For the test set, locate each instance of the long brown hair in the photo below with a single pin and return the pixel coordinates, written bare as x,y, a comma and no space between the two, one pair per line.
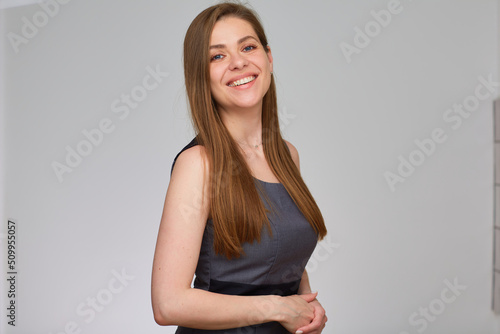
237,212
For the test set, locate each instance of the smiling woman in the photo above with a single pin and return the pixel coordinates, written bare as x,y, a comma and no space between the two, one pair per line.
237,213
229,52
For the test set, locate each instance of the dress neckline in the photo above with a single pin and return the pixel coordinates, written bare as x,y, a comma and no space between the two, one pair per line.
265,182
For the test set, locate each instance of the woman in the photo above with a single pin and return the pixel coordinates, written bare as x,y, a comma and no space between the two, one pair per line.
237,212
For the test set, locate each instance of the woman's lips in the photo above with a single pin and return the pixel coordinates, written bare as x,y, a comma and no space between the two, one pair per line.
242,81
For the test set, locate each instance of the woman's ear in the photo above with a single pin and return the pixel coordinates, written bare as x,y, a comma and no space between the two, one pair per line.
270,57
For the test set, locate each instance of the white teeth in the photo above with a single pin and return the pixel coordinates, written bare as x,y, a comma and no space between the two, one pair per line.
242,81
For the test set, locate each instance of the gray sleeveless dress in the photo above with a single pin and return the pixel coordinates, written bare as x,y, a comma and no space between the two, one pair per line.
273,266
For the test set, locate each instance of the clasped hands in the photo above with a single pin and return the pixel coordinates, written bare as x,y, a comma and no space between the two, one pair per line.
303,314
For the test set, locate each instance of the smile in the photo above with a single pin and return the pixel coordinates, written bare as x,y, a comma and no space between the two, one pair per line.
242,81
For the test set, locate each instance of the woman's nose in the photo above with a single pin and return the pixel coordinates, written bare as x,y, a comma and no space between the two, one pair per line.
237,61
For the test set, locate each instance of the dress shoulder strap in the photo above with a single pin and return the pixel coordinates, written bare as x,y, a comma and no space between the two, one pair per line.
192,143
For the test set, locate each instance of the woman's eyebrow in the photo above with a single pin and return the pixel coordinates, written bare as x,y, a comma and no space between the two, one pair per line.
222,46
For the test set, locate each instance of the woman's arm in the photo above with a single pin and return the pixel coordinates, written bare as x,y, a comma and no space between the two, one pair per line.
304,286
176,255
320,318
318,323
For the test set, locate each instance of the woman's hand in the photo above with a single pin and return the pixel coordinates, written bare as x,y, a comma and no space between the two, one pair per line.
296,311
318,323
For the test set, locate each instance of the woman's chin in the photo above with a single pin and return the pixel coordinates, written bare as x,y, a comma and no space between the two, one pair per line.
246,103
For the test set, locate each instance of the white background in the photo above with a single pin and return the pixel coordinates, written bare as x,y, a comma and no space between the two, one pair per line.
388,253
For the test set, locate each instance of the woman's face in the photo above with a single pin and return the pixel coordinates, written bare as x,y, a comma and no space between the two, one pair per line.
240,67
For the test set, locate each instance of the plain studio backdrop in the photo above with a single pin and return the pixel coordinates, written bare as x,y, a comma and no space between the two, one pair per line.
388,102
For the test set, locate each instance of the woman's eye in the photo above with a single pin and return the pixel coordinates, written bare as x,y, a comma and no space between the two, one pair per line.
249,48
216,57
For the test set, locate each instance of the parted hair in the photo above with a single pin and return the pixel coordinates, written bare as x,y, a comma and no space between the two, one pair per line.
237,212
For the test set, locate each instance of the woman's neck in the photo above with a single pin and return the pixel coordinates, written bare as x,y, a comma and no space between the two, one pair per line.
245,125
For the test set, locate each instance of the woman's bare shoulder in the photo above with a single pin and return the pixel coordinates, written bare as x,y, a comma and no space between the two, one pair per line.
190,163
